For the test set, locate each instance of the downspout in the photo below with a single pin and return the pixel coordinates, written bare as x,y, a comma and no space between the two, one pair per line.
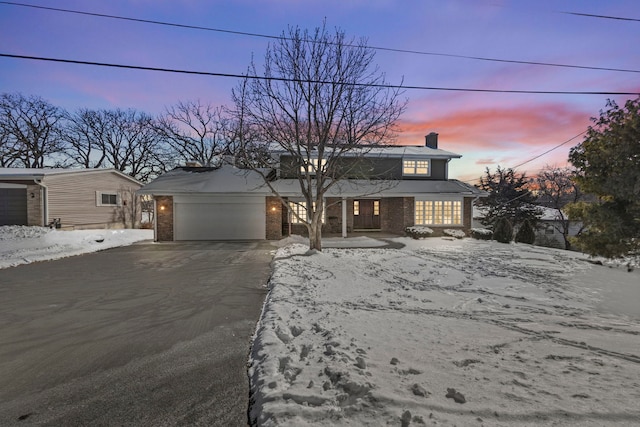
45,201
155,219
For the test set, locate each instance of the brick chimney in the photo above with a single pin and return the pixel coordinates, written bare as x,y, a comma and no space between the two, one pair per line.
432,140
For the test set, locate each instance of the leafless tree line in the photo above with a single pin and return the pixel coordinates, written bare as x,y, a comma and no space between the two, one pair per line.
35,134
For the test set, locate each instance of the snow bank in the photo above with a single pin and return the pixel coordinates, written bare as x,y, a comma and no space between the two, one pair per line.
446,332
23,245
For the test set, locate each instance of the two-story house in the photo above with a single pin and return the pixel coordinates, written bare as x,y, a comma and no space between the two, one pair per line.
391,188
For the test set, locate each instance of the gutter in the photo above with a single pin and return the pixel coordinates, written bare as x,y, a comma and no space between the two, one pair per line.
45,201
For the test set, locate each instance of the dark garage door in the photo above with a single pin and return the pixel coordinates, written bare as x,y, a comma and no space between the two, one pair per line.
13,206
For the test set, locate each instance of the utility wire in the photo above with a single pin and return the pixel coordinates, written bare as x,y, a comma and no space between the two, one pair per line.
286,79
272,37
539,155
589,15
550,150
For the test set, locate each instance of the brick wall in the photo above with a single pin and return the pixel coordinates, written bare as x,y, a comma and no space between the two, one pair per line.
164,218
467,217
273,218
391,214
409,212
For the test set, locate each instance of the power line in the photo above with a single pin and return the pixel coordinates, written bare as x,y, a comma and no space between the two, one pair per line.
550,150
589,15
272,37
286,79
539,155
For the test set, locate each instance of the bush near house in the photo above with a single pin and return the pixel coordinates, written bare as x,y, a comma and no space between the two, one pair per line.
418,232
503,231
458,234
481,233
526,233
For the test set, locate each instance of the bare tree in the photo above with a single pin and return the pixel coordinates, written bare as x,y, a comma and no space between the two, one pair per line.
556,188
31,130
8,147
321,98
84,134
130,208
122,139
195,131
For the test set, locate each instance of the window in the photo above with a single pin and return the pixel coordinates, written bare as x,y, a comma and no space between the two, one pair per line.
549,229
438,212
376,207
312,166
104,198
416,167
300,208
356,207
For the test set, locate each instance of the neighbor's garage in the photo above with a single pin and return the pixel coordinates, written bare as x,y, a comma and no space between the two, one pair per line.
13,204
219,217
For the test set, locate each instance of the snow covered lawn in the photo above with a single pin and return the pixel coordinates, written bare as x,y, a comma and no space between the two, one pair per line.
23,245
446,332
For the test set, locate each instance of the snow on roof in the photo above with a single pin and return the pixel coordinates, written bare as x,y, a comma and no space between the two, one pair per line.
39,173
226,179
229,179
389,151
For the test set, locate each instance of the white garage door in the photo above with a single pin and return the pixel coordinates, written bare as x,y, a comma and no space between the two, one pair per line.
219,218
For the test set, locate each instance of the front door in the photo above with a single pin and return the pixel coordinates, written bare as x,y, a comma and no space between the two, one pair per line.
366,214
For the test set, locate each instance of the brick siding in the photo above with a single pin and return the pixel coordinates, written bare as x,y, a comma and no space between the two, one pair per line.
164,218
273,218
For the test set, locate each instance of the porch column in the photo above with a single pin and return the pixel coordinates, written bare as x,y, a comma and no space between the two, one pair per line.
344,217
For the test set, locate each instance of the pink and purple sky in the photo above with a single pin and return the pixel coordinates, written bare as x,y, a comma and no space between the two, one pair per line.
488,129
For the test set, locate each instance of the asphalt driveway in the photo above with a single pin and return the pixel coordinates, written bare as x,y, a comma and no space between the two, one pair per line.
149,334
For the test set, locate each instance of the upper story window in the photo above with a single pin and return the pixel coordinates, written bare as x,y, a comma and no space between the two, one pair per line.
104,198
312,166
416,167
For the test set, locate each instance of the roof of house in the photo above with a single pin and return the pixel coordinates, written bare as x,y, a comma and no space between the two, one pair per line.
388,151
229,179
16,174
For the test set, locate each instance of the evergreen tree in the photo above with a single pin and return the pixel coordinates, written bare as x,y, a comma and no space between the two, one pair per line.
509,197
608,165
526,234
503,230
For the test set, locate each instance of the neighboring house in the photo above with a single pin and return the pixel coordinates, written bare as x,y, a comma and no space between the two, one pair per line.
548,229
68,198
550,226
410,186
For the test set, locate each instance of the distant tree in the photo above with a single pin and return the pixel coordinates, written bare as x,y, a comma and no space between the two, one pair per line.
557,187
526,233
503,230
30,130
195,131
321,99
121,139
608,165
8,147
508,197
85,134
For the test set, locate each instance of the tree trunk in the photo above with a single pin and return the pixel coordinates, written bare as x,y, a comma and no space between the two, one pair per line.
315,235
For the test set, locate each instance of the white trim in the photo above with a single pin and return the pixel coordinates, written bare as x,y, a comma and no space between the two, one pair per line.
99,201
416,166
